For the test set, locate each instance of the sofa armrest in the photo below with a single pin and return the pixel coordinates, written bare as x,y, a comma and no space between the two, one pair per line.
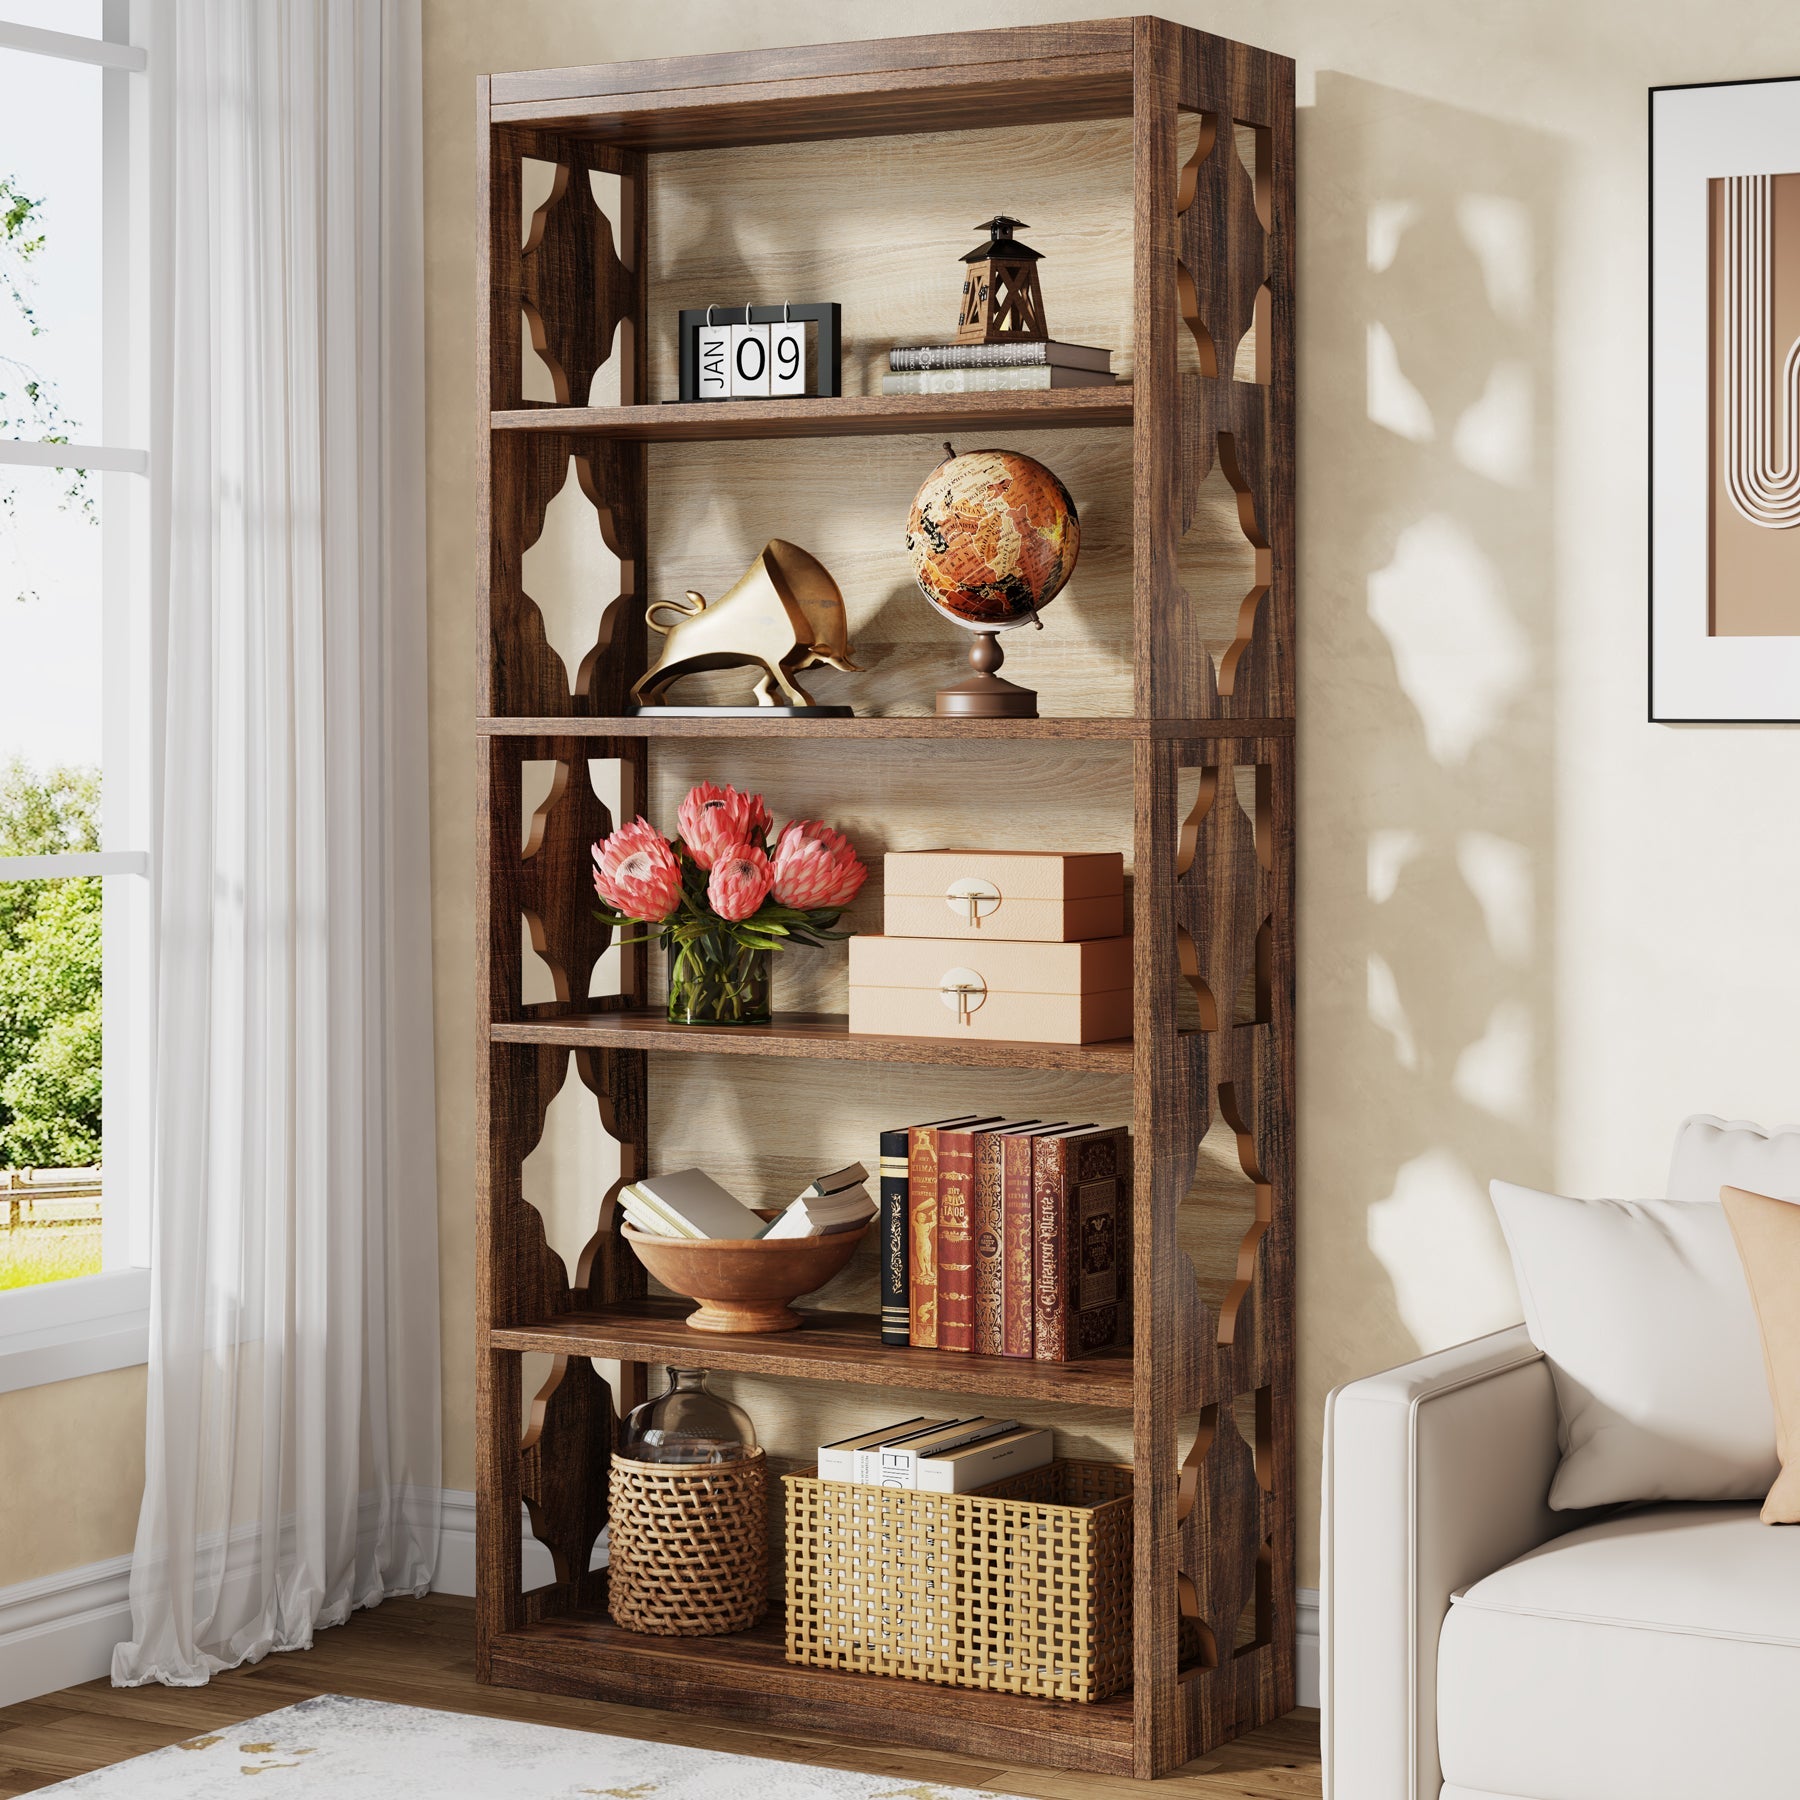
1436,1473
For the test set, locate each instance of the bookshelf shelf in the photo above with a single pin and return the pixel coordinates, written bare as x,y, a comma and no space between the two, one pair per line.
746,1677
854,415
909,729
822,1035
832,1346
1189,138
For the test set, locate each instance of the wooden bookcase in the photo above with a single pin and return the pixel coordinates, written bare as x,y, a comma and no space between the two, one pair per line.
1175,150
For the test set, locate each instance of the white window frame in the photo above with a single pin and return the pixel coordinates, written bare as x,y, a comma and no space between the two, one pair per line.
93,1323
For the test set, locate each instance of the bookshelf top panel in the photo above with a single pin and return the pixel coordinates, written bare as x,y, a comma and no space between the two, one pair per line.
945,82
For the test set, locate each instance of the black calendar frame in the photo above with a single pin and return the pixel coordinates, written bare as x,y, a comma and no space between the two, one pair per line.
827,340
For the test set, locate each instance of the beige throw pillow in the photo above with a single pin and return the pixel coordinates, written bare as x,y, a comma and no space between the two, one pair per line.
1768,1240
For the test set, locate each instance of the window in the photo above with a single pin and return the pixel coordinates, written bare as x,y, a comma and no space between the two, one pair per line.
78,642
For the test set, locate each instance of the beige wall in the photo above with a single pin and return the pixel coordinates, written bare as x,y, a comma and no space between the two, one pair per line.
1536,930
71,1473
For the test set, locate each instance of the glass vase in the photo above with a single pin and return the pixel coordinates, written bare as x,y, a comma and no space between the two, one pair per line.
688,1423
715,980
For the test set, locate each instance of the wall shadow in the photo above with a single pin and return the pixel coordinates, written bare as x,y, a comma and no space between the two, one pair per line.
1428,495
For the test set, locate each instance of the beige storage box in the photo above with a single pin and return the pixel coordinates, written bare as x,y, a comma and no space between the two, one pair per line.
952,988
1044,896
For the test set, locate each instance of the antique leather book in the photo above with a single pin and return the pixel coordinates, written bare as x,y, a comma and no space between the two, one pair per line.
1081,1196
985,1229
922,1242
955,1240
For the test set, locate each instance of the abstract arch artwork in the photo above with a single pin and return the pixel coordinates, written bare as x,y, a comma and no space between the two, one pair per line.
1755,308
1725,402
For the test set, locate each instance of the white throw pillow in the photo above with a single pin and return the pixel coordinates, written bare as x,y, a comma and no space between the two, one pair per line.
1642,1312
1710,1154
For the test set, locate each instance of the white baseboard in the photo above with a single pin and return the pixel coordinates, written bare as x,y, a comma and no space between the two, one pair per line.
59,1630
1306,1659
456,1549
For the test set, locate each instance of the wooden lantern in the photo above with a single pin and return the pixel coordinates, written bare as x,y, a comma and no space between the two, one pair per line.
1001,301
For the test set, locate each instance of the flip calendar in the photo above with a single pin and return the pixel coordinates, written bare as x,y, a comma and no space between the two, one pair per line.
761,352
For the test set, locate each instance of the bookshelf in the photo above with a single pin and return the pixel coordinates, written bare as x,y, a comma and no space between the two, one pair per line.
1167,674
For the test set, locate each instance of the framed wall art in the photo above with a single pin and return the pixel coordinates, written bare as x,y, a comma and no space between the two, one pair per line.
1725,401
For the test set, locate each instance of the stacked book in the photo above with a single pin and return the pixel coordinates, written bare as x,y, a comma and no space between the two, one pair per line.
981,368
690,1204
1006,1237
936,1456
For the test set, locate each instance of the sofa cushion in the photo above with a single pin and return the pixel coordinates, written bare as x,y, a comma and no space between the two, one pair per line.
1768,1239
1641,1311
1711,1154
1653,1656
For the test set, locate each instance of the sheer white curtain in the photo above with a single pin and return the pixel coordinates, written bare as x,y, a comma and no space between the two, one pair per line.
293,1447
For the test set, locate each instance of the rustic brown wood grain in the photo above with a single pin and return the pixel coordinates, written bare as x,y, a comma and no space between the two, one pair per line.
1172,653
848,415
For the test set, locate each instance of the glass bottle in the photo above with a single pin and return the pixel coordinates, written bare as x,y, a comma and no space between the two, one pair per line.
688,1424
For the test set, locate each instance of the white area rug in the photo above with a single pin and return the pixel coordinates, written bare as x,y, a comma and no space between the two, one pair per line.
366,1750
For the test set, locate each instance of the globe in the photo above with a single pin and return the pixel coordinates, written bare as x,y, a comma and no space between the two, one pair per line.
994,537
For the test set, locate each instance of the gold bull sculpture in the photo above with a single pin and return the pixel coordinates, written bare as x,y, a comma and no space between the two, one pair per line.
783,614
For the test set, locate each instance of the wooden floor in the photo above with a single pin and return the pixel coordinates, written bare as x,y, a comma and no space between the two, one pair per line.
421,1653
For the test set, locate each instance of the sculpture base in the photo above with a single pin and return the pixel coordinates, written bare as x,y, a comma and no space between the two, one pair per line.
740,712
987,697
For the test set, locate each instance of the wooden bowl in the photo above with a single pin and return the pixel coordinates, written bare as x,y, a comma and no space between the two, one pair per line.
744,1284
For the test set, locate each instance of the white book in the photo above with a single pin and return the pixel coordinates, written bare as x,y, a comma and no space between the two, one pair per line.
900,1468
839,1181
699,1206
649,1218
989,381
872,1461
837,1461
975,1465
821,1217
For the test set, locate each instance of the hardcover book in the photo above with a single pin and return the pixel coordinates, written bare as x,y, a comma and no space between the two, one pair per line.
922,1232
955,1240
988,381
895,1248
896,1319
987,1225
999,356
1081,1186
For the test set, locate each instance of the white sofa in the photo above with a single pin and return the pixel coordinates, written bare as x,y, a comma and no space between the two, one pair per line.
1475,1645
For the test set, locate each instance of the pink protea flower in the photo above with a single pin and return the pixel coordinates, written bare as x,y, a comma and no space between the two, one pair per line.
816,867
715,819
635,872
739,882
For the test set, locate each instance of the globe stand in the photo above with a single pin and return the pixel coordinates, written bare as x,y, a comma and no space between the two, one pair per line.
986,695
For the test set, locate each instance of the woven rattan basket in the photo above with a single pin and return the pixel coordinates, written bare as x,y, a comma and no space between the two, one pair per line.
1024,1587
688,1548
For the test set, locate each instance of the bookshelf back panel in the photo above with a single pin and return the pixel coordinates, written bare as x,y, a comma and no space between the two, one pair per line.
1073,795
847,500
878,225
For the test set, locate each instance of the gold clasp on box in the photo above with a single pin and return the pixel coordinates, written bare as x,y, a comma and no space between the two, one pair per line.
963,991
973,898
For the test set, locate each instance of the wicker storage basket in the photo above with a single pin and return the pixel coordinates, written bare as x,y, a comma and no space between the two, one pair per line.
688,1548
1024,1586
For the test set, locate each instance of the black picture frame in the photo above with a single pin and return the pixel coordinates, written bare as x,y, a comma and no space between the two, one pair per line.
827,340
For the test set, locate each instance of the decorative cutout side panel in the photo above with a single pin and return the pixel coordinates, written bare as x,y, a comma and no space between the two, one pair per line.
598,646
549,887
563,1461
578,294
